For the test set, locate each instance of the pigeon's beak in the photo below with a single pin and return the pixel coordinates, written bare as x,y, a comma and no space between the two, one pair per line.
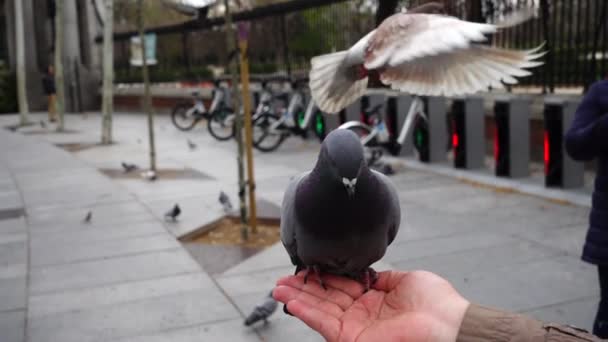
350,184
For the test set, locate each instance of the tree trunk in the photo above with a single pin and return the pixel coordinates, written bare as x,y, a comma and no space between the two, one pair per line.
238,124
59,77
146,79
20,47
108,73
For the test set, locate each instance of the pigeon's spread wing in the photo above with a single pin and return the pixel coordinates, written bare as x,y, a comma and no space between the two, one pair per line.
394,206
403,37
462,71
428,54
289,219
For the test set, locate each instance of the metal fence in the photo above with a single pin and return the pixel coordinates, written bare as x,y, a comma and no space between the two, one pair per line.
575,33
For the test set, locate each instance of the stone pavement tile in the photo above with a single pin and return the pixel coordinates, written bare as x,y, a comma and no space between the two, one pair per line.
566,239
95,297
43,254
12,237
104,213
230,330
579,313
462,264
13,253
172,190
110,271
263,280
527,286
272,257
57,229
196,213
147,316
79,233
441,245
12,293
13,271
13,225
12,326
281,327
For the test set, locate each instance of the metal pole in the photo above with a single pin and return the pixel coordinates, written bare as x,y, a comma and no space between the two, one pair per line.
253,220
59,74
146,79
21,81
238,124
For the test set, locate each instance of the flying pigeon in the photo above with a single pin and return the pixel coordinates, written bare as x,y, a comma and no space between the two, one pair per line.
128,167
88,217
426,54
262,311
340,217
191,145
225,201
173,213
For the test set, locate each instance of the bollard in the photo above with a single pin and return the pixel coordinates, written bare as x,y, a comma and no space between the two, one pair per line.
435,110
512,137
560,170
468,135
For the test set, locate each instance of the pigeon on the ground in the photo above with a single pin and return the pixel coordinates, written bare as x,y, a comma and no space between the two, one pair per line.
406,50
149,175
191,145
127,167
262,311
42,124
88,217
340,217
225,201
173,213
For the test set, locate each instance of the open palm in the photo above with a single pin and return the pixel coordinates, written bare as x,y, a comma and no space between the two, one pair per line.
402,306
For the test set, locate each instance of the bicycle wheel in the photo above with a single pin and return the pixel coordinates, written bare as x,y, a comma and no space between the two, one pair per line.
265,138
221,124
180,117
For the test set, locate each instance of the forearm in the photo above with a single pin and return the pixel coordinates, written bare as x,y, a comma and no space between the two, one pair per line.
484,324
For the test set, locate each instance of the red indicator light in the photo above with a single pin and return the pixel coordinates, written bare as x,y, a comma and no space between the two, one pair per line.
547,153
455,140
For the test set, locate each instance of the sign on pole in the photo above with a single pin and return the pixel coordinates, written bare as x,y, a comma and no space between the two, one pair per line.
136,52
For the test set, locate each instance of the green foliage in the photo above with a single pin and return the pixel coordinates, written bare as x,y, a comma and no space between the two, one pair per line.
160,74
8,90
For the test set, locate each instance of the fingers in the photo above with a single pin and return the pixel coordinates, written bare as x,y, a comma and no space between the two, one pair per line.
388,280
333,293
322,322
285,294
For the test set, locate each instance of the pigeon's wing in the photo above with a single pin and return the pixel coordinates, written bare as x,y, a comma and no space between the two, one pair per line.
429,54
289,220
394,218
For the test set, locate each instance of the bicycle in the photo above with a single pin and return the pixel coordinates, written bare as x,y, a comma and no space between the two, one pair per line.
186,115
376,134
270,130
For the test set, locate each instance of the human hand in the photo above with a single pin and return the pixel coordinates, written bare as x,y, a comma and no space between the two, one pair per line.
402,306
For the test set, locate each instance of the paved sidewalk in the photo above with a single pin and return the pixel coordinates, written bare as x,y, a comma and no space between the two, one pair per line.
125,276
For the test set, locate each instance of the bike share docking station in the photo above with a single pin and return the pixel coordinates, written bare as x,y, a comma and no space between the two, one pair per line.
560,170
468,132
512,136
431,133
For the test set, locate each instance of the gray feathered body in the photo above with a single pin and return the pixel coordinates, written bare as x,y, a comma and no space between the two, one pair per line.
321,225
262,311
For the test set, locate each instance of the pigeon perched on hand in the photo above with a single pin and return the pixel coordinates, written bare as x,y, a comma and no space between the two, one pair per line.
422,54
340,217
225,201
127,167
173,213
191,145
262,311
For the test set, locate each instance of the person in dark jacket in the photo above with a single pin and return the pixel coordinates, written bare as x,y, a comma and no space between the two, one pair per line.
587,139
48,83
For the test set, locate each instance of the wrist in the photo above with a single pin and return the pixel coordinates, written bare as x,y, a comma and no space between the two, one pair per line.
455,314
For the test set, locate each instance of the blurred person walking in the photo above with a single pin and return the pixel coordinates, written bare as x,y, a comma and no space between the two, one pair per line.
587,139
48,83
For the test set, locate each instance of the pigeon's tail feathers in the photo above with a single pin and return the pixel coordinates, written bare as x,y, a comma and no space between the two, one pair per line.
334,83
